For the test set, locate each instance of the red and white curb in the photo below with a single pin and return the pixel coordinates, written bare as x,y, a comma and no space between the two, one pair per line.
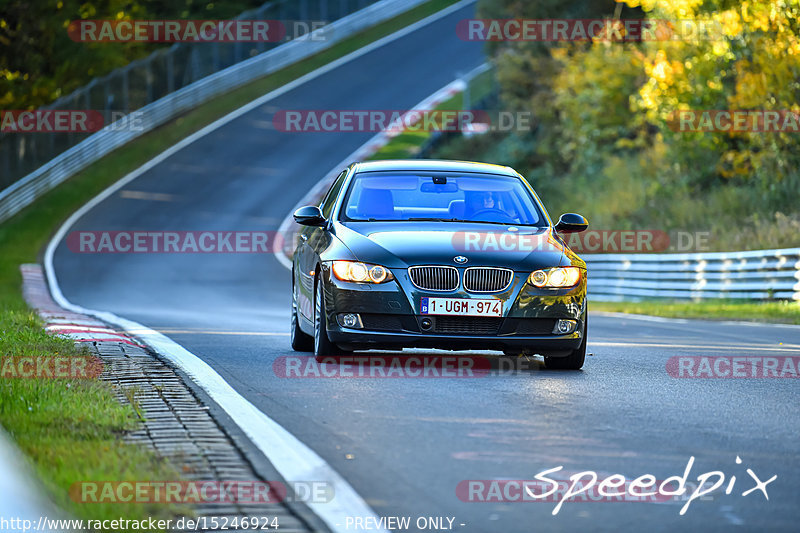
60,321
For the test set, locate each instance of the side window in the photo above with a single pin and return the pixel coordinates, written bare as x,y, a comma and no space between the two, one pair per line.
330,199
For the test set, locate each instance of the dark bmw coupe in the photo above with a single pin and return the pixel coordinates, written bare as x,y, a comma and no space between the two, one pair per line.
437,254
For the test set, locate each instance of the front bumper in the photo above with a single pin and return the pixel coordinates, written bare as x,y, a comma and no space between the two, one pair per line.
391,317
363,339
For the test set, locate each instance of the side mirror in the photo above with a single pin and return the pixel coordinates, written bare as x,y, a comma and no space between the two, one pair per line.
309,215
571,223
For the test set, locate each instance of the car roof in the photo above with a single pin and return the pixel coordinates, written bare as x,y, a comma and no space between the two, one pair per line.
433,164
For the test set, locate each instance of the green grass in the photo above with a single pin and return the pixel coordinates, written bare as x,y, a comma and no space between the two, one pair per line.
783,311
71,430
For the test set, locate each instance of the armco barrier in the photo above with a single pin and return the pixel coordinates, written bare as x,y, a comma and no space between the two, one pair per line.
752,275
26,190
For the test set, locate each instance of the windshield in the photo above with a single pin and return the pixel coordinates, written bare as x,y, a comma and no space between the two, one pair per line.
487,198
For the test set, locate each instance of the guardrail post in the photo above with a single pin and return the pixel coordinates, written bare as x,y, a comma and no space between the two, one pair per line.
126,100
170,59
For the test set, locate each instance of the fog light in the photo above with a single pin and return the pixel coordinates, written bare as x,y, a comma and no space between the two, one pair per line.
564,326
350,320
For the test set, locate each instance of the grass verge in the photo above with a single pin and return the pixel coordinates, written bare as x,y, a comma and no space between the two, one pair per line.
71,429
783,311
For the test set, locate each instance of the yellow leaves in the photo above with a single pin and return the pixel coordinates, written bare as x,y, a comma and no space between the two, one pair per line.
730,22
9,75
750,87
720,48
659,68
736,163
676,8
646,5
683,8
559,53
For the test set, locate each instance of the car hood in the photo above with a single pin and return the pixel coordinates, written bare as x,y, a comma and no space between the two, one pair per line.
404,244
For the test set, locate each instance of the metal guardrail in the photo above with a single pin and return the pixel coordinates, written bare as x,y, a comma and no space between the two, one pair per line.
23,497
751,275
74,159
164,71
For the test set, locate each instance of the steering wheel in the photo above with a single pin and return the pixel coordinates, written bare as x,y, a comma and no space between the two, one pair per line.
504,217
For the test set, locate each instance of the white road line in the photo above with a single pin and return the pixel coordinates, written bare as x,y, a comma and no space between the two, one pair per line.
216,332
291,458
761,348
668,320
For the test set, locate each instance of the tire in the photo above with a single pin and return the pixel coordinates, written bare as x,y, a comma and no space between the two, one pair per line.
301,341
573,361
323,347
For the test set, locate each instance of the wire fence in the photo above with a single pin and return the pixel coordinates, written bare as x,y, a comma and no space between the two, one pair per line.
163,72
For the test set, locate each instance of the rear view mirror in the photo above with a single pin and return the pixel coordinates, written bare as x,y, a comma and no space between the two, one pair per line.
571,223
440,188
309,215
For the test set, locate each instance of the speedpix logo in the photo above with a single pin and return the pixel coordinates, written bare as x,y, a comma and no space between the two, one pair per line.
588,486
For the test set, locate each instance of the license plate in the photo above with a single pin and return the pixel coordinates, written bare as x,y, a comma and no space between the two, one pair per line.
461,307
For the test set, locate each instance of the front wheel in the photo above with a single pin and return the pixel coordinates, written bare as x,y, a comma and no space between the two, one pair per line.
323,347
574,361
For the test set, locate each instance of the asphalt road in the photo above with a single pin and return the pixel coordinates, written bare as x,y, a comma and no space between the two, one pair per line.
405,444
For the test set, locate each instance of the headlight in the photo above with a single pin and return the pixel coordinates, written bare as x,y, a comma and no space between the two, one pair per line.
556,277
361,272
